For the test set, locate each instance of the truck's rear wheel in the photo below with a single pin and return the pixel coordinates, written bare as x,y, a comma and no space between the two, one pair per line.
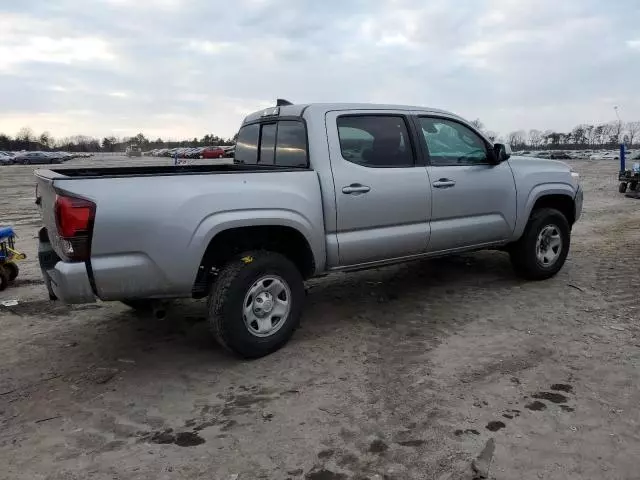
543,248
255,303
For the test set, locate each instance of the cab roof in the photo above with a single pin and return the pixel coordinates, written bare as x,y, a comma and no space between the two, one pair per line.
322,108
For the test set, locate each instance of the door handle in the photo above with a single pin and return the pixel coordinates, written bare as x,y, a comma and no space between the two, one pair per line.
444,183
355,188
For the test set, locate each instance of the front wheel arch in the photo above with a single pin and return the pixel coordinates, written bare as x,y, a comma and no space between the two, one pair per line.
565,204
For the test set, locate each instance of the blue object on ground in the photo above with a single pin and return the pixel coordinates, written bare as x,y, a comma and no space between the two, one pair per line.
6,232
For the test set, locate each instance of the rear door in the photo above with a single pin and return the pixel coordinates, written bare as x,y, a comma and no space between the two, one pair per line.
474,201
382,194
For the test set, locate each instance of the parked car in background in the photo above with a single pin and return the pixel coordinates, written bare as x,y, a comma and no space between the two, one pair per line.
35,158
58,157
7,158
230,152
212,152
133,151
560,156
196,152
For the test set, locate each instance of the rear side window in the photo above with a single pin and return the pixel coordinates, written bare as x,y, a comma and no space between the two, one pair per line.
291,149
267,144
247,144
283,144
375,141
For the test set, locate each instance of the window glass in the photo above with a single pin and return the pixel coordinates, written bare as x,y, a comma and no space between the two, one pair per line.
247,144
375,140
268,144
291,147
451,143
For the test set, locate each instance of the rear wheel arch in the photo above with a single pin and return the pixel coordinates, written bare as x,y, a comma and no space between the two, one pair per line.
225,245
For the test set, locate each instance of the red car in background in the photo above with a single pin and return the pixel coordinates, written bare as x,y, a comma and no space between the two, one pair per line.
212,152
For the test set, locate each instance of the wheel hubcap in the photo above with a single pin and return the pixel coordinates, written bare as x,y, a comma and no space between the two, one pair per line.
548,245
266,306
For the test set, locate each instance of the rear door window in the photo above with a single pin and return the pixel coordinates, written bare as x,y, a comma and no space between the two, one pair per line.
375,141
291,147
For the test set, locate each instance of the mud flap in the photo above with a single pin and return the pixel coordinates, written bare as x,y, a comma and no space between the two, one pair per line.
47,259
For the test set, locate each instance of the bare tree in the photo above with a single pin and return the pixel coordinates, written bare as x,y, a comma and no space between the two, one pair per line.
535,138
614,132
579,135
589,134
478,124
633,131
491,135
45,139
517,139
552,138
25,134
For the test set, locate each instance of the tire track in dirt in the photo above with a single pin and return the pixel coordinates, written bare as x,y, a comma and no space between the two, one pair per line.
408,417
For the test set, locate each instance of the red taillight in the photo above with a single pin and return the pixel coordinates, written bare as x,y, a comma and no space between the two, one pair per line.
74,220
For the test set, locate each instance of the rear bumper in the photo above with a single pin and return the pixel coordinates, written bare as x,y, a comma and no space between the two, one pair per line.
67,282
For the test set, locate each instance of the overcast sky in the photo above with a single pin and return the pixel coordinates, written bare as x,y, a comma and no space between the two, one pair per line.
181,68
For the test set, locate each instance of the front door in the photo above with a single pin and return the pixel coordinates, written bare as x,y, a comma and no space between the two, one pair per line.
473,200
382,196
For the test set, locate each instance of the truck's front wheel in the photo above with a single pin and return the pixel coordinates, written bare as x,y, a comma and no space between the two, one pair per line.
543,248
255,303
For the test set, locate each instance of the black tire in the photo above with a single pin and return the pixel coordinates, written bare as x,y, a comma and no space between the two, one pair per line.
227,298
622,188
13,270
4,279
633,186
524,252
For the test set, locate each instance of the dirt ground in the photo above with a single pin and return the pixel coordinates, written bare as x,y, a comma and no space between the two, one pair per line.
399,373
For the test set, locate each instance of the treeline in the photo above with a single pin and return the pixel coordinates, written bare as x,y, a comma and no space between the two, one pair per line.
583,136
26,139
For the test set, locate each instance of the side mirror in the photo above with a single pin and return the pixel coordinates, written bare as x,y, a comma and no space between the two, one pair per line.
502,152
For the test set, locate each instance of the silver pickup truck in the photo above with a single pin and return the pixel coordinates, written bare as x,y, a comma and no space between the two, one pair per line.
313,189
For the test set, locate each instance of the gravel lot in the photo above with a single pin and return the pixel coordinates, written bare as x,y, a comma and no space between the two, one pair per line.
402,372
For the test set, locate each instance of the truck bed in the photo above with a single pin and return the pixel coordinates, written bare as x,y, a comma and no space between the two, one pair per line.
153,224
158,170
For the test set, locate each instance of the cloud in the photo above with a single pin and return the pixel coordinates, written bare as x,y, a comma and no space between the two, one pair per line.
207,47
67,51
178,68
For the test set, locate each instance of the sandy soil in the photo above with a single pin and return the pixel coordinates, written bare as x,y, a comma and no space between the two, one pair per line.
402,372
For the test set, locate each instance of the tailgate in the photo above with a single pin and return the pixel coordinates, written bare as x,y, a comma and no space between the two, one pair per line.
46,199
